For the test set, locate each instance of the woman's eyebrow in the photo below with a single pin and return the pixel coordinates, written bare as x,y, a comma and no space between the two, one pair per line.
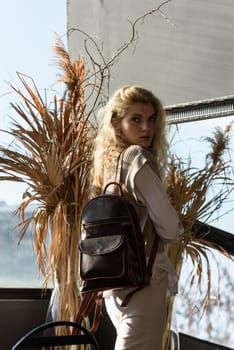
137,115
141,115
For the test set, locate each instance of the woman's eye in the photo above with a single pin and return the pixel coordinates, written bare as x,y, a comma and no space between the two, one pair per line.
153,119
136,119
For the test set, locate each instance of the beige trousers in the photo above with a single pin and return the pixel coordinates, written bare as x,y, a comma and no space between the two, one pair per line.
140,325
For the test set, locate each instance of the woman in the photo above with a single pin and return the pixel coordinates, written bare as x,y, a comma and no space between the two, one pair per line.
133,121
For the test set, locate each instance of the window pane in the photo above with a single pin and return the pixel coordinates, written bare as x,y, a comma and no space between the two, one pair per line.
217,323
17,261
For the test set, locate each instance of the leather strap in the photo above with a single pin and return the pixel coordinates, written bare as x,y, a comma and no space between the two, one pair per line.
86,305
153,254
97,313
150,264
119,167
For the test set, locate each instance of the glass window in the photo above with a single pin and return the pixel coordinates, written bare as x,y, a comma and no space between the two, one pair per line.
216,323
18,260
29,52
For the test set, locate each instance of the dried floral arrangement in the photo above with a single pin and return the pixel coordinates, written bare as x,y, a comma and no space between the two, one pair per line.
51,155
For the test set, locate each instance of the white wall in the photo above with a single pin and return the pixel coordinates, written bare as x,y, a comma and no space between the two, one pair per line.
190,61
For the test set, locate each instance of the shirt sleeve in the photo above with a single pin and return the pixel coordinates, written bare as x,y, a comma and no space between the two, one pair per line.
152,195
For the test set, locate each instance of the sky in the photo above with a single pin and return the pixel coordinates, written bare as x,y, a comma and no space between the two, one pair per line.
188,143
27,36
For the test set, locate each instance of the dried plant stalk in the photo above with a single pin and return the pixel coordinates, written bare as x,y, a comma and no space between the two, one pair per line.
51,154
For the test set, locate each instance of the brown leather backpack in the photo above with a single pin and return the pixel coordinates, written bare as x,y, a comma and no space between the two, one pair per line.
112,249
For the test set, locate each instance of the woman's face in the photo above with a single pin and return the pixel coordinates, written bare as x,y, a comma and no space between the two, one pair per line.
138,124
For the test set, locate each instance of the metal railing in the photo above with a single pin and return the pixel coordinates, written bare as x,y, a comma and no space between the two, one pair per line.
200,110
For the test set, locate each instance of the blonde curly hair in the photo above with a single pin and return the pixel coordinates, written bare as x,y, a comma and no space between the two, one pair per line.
109,142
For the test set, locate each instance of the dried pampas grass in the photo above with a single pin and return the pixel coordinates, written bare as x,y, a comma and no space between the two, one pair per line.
51,154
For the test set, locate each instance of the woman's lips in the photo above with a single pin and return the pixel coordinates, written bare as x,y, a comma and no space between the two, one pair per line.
145,138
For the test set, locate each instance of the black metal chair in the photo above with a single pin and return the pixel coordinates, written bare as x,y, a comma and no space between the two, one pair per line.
40,337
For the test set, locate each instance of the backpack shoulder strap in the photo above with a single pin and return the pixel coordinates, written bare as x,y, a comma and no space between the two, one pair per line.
153,254
149,270
90,302
119,165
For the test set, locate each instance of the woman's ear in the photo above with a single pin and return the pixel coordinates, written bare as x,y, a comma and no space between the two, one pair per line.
115,121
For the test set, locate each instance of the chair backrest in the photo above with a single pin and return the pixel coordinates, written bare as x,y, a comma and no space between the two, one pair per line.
41,336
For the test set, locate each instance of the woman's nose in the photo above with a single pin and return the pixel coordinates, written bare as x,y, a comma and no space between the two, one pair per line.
145,126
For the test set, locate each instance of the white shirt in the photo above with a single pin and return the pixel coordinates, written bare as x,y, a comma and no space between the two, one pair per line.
148,190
